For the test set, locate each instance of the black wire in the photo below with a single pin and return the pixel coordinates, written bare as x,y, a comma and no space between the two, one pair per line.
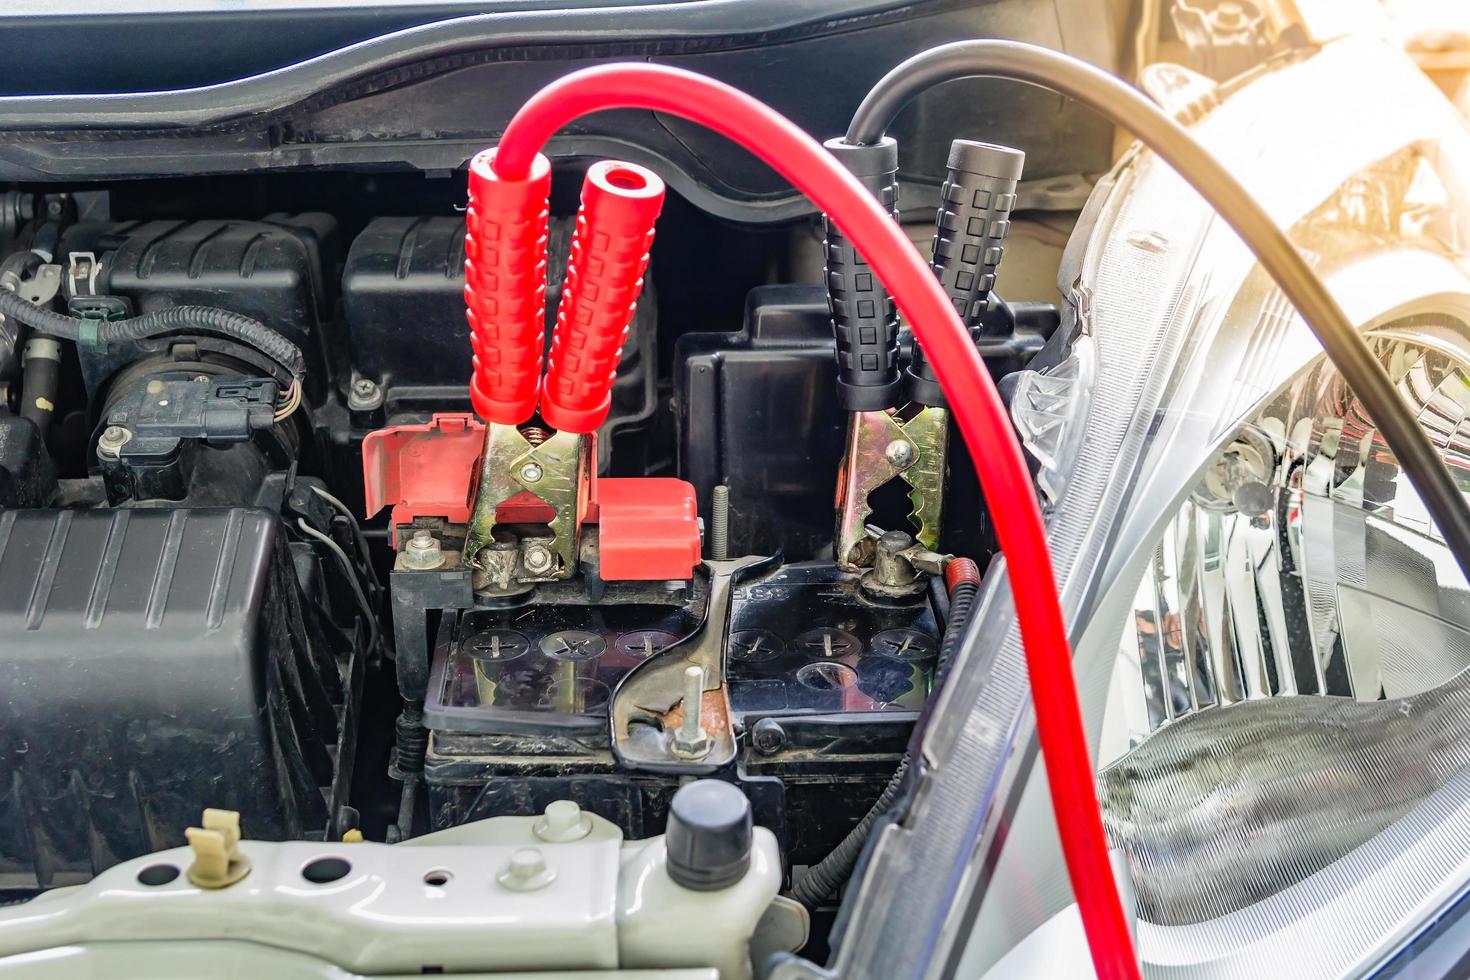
198,319
1128,109
822,879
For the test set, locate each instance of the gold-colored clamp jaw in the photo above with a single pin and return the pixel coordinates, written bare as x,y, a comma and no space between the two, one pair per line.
908,443
552,466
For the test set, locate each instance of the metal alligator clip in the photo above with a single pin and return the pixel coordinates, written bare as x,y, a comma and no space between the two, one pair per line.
531,475
884,441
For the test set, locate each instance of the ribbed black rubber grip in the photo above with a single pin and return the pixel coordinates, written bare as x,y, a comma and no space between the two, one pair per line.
864,319
974,216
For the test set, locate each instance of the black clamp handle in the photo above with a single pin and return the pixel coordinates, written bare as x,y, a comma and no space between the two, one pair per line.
864,319
974,216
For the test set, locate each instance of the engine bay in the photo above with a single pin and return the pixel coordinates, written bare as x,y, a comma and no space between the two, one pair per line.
471,504
264,551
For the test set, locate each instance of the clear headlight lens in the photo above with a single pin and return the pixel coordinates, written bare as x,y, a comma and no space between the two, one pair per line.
1301,563
1271,642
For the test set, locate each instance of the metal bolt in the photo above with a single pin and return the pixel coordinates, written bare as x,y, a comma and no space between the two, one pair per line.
364,396
423,551
899,452
531,473
690,740
538,559
719,531
113,438
768,737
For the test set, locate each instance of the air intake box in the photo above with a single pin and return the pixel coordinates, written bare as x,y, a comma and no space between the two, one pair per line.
153,663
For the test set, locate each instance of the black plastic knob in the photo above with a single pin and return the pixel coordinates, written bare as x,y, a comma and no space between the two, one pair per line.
974,216
864,319
708,836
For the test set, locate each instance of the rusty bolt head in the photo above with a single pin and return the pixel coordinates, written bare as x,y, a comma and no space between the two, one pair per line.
538,559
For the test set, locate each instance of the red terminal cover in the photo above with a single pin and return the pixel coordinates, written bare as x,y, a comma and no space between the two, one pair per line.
422,470
649,529
505,287
649,525
620,203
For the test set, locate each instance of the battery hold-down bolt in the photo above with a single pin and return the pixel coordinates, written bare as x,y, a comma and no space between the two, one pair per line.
690,739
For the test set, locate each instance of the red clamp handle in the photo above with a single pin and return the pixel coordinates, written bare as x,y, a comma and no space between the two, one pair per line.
620,203
505,287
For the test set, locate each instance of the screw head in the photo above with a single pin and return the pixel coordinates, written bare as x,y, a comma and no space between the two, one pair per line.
899,452
364,395
538,559
768,737
531,473
113,438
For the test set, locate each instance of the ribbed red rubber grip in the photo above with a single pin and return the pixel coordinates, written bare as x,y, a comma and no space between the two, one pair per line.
620,203
505,287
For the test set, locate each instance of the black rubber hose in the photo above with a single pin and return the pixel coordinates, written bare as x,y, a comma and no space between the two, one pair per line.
175,319
826,876
40,380
1128,109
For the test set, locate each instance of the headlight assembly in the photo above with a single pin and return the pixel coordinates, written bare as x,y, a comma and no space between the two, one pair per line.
1299,564
1283,698
1271,638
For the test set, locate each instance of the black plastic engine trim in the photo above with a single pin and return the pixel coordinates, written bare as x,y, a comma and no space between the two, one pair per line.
357,106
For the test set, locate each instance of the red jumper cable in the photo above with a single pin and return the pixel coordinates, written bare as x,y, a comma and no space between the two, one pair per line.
976,405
